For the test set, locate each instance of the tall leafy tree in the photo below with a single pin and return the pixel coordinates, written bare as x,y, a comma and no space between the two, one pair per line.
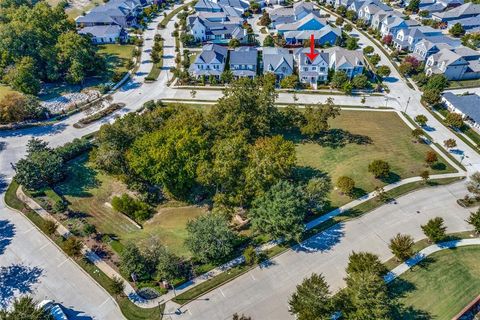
312,299
247,107
269,160
171,155
25,308
316,117
41,167
132,261
23,76
280,212
402,246
15,107
474,220
435,229
209,238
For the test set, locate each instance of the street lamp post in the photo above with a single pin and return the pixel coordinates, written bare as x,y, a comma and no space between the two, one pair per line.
408,101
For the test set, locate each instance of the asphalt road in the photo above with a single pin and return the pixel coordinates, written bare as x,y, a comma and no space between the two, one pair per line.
263,293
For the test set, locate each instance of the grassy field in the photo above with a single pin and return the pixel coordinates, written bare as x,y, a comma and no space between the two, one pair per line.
463,84
359,138
90,192
117,55
442,285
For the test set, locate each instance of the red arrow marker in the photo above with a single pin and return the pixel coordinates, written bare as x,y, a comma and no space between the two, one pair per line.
312,54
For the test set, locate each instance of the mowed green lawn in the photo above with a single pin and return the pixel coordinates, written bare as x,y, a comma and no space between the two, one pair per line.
117,55
442,286
359,138
90,192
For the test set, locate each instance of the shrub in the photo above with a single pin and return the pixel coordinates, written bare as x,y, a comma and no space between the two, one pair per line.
402,246
49,227
72,246
346,184
250,255
379,168
435,229
431,157
89,229
135,209
73,149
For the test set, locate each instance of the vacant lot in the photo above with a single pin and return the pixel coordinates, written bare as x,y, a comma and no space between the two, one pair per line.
90,193
442,285
117,56
358,138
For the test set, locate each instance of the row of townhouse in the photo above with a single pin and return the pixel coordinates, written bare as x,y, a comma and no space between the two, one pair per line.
442,54
107,23
218,21
298,22
282,62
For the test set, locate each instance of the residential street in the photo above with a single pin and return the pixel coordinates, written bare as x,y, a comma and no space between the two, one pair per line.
263,293
31,263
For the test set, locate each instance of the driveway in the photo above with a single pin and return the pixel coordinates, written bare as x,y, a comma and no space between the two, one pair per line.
263,293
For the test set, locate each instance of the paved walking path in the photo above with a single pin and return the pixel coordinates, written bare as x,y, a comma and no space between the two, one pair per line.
404,267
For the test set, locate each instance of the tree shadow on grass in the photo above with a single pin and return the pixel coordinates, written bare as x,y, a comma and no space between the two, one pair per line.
304,174
80,179
339,138
439,166
17,279
391,178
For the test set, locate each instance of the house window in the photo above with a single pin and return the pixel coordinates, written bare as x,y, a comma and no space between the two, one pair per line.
314,68
305,69
284,69
322,69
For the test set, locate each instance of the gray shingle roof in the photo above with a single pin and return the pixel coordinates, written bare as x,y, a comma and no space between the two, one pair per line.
467,104
244,55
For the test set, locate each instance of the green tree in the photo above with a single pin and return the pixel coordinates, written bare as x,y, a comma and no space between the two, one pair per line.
22,76
437,82
312,299
41,167
15,107
72,246
430,158
209,238
368,298
268,41
342,10
25,308
401,246
339,21
383,71
434,229
352,16
226,76
269,160
473,185
168,266
417,134
225,170
316,117
317,191
265,19
474,220
379,168
450,143
289,82
247,107
454,120
413,5
132,261
457,30
351,43
368,50
117,286
425,175
431,96
359,262
421,120
347,27
233,43
360,81
374,59
171,155
339,78
346,184
280,212
250,255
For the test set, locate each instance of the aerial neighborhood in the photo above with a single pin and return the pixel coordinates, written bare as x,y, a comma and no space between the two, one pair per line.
240,159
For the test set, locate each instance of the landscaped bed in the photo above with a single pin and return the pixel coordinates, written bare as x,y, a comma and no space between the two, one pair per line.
442,285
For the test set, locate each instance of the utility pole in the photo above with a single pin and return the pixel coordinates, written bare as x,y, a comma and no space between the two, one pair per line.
408,101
